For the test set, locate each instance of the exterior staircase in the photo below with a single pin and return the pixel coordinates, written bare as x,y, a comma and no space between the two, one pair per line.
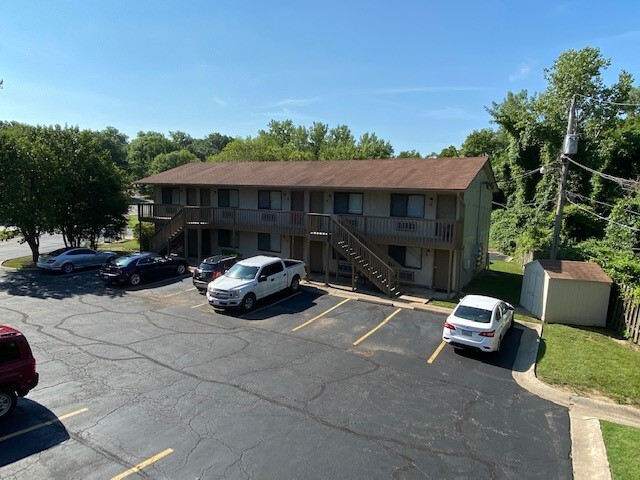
367,257
168,233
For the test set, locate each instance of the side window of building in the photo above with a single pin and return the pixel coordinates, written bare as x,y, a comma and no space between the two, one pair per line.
411,206
228,198
270,199
408,257
269,242
225,238
345,203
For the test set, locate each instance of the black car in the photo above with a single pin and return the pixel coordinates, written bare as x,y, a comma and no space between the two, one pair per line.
211,268
139,267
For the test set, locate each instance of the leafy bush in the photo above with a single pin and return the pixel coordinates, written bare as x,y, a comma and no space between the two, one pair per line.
148,231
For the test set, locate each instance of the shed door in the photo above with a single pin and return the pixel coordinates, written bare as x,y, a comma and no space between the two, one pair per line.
535,294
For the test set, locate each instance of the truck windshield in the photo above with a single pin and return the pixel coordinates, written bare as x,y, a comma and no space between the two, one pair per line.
242,272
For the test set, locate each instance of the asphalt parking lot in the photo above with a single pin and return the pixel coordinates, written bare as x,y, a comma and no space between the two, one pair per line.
152,382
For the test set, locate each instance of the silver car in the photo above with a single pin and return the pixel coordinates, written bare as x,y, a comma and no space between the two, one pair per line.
68,259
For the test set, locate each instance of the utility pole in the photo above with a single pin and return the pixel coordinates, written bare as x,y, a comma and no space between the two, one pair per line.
570,147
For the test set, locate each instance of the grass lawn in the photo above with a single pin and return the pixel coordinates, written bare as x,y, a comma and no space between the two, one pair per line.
590,360
127,246
132,221
22,262
622,450
503,280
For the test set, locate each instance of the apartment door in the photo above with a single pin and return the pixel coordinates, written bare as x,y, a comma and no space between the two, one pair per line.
205,197
316,252
441,270
446,209
316,202
191,196
206,242
297,251
297,205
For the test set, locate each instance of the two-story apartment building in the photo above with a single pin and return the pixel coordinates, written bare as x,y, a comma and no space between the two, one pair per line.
394,221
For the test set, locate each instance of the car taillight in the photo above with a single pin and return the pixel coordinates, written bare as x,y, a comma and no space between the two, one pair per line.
449,326
487,334
216,274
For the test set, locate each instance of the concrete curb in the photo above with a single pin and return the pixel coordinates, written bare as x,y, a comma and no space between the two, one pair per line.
588,451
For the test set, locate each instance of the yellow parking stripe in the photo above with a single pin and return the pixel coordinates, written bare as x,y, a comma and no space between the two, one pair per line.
144,464
438,350
40,425
319,316
201,305
375,329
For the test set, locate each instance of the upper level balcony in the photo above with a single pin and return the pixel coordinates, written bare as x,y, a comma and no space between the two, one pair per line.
418,232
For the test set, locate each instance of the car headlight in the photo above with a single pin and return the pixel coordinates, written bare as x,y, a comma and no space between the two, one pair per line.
235,293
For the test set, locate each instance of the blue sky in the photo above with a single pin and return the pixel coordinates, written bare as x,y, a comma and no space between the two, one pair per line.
417,73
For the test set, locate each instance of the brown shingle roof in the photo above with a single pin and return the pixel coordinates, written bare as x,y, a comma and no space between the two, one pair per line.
395,173
569,270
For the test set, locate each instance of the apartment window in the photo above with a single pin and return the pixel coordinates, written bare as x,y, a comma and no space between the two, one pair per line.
270,199
228,198
269,242
408,257
407,205
225,238
347,203
170,196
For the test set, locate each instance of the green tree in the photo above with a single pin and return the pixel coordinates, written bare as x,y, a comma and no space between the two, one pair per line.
144,148
25,177
210,145
166,161
88,191
409,154
370,146
117,144
449,152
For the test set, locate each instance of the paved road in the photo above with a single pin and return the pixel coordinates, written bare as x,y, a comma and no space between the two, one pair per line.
206,395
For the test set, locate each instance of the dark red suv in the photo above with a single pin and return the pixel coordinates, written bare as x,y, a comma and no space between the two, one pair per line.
17,369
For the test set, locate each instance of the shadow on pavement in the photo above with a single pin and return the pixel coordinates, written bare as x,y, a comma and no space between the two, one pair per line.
292,303
506,357
26,415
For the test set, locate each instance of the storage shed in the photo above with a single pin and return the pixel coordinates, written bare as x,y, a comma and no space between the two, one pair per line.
562,291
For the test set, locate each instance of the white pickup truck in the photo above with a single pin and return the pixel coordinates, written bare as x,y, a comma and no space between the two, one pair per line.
254,278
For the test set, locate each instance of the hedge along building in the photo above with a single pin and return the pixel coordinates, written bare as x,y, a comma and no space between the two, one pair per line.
395,221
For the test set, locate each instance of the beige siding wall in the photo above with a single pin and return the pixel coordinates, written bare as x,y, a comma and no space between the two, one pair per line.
477,216
576,302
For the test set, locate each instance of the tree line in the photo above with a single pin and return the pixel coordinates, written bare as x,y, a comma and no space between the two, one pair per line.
601,220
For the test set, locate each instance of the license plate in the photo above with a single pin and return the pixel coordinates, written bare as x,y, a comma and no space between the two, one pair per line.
466,333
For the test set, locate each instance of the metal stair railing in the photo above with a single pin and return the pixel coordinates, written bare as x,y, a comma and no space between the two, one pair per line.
168,232
383,274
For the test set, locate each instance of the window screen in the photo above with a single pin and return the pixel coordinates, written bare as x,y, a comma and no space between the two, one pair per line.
227,198
347,203
407,206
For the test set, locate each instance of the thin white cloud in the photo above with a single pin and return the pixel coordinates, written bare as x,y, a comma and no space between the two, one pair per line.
284,113
630,35
294,102
523,70
400,90
448,113
219,101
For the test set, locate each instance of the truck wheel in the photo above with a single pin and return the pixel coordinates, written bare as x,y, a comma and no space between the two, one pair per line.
181,269
8,401
135,279
67,267
248,302
295,284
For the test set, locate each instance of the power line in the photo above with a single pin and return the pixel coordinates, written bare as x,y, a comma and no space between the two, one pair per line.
586,199
622,104
540,169
601,217
623,182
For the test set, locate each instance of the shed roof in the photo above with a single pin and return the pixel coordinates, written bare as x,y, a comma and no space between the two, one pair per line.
571,270
394,173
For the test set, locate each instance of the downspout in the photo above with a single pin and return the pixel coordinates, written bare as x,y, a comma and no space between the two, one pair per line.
460,257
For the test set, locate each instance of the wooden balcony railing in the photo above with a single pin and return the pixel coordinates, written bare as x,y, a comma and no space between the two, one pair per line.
426,233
